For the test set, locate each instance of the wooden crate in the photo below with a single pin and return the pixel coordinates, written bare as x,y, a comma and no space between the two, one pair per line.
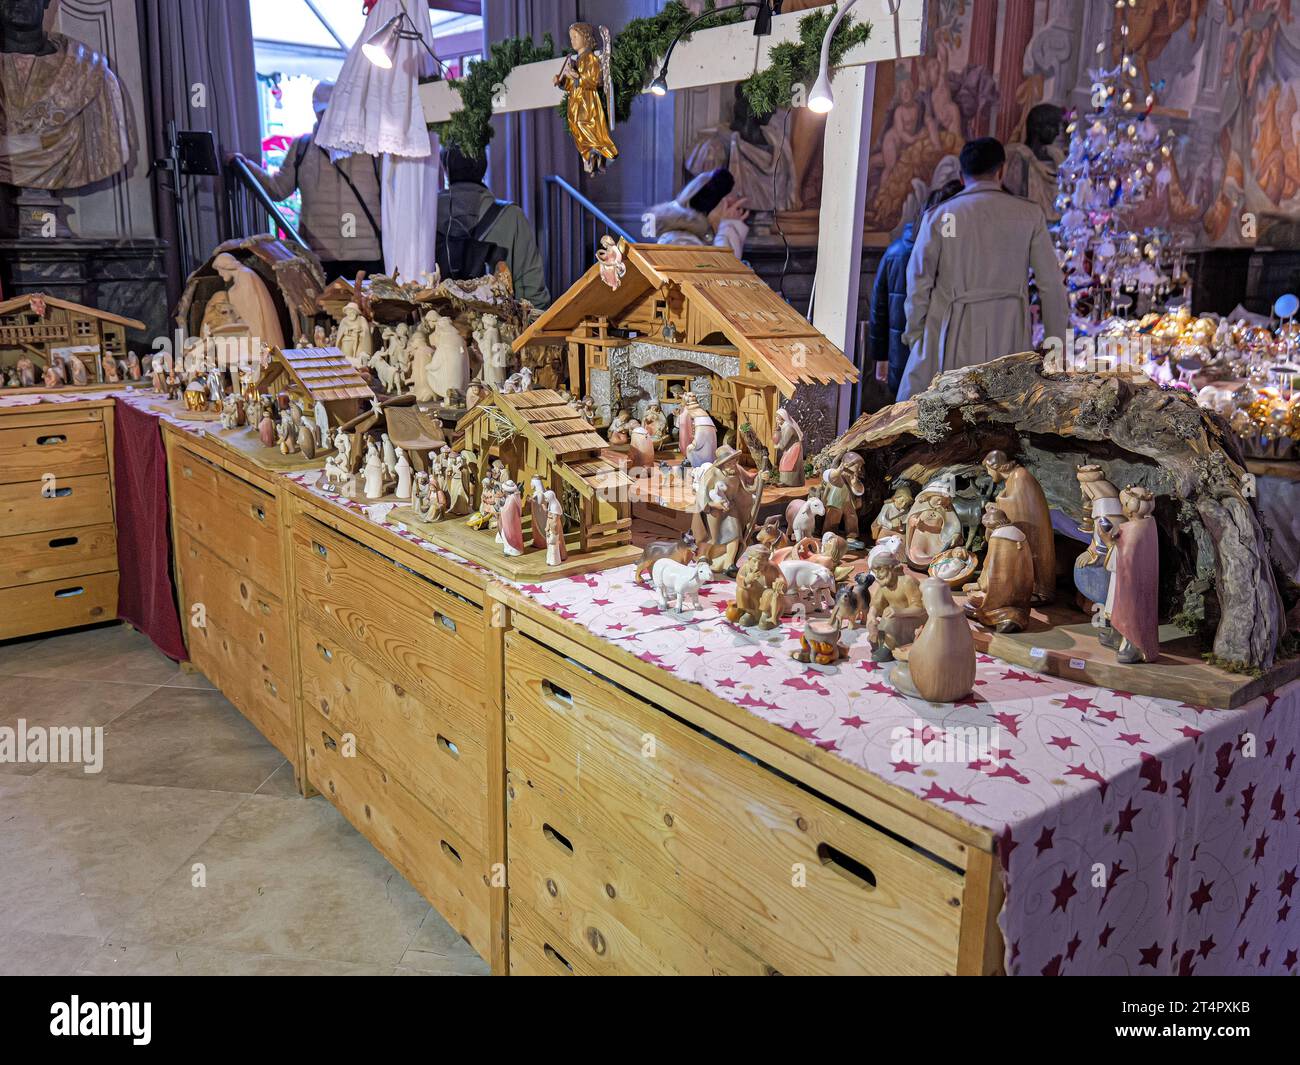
438,753
58,542
238,635
439,862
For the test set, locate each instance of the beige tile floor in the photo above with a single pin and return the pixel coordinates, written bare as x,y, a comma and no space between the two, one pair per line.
98,872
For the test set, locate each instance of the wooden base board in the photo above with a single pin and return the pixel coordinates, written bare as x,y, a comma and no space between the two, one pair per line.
176,409
479,545
1062,643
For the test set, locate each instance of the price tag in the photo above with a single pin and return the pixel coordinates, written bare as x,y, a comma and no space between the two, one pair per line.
1077,663
1037,652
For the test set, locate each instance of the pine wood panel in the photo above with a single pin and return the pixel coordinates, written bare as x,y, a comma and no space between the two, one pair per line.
535,950
62,604
242,644
602,909
438,754
723,834
51,556
65,449
411,630
439,862
237,521
71,503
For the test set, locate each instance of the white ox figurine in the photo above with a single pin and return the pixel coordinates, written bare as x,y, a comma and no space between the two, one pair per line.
675,580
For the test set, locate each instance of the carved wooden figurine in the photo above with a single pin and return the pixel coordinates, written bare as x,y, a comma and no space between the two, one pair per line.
1006,583
1132,605
556,553
1025,505
819,641
932,526
940,665
510,531
787,438
682,551
895,611
756,575
892,519
537,511
842,492
585,75
449,371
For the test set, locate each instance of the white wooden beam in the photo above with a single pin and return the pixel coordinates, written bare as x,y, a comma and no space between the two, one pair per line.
712,56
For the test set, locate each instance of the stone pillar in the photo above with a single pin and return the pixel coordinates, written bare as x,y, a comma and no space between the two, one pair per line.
1017,32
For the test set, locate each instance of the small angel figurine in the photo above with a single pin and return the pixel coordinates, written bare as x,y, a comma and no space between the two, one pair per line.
585,75
610,257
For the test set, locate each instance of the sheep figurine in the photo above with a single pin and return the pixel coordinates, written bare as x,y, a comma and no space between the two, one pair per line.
680,581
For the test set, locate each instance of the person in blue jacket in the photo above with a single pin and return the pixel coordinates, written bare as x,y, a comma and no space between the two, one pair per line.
889,296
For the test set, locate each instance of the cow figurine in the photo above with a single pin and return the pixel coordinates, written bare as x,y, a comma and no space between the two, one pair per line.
680,582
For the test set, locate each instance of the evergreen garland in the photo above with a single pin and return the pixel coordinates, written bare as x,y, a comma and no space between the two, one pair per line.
792,64
470,128
635,55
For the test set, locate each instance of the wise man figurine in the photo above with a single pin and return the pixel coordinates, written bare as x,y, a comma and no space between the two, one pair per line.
1132,602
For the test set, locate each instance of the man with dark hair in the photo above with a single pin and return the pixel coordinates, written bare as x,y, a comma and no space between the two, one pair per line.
889,295
968,277
476,231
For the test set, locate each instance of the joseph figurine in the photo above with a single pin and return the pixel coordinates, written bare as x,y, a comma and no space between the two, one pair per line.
62,117
1025,505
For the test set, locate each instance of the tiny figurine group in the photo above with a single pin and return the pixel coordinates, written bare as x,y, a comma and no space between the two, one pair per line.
945,564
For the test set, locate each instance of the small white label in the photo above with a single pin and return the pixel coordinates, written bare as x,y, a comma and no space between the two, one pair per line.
1037,652
1077,663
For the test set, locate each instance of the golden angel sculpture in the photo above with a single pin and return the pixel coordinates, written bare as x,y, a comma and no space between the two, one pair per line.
585,74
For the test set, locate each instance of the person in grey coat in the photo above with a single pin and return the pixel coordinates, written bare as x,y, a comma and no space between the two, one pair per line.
340,201
968,276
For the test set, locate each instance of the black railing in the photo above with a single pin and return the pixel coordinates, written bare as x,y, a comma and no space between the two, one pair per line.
250,211
571,230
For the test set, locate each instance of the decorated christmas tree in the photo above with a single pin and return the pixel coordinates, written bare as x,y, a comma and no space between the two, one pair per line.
1117,158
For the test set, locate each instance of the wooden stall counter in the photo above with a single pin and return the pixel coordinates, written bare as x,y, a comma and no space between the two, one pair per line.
405,683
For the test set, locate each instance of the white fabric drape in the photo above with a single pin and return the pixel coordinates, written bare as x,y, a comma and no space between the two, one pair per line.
378,112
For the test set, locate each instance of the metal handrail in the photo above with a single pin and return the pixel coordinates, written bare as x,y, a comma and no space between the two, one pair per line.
590,208
252,185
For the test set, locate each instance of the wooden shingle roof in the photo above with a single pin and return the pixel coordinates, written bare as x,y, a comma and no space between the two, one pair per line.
782,344
323,373
558,430
23,303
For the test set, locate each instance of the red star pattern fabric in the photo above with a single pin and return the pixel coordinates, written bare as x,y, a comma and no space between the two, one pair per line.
1135,835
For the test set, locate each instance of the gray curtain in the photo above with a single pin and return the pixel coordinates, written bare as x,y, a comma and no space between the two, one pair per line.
198,51
530,145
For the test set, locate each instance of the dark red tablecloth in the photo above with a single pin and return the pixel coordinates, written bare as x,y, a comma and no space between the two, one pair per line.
146,596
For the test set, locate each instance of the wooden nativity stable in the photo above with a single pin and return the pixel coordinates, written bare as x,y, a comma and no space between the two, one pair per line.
687,318
538,434
36,326
317,375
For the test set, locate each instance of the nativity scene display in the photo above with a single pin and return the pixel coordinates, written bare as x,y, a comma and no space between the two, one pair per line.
46,342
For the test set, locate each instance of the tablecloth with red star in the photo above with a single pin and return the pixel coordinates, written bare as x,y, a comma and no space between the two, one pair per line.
1136,835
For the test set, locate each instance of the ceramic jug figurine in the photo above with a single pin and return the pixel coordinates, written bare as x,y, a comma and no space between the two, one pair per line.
940,666
1022,500
1001,596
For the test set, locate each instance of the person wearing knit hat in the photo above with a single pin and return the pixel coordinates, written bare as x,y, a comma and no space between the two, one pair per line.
340,199
705,212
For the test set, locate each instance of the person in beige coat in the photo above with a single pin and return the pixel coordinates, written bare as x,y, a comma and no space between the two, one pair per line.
340,201
968,277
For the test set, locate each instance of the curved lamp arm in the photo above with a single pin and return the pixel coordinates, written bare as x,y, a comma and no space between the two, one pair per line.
821,99
659,87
